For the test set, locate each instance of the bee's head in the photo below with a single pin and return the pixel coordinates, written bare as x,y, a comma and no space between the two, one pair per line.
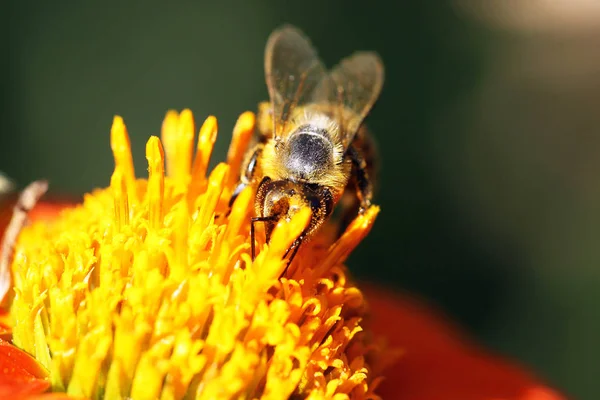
280,199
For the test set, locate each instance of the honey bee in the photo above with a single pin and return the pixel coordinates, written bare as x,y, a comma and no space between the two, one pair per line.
311,146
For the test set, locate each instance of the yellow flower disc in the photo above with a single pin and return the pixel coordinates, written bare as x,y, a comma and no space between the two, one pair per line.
147,289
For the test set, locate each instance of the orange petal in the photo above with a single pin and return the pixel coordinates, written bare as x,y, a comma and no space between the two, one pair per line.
20,374
5,327
438,362
48,210
52,396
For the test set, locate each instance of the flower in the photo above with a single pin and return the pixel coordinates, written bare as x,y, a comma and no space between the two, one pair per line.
147,289
99,289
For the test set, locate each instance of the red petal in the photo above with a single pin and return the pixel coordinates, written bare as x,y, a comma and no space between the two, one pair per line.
20,374
438,362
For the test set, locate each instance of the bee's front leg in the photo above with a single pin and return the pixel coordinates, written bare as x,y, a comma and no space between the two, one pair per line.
248,171
263,132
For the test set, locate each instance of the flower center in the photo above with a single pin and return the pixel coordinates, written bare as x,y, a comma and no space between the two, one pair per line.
147,290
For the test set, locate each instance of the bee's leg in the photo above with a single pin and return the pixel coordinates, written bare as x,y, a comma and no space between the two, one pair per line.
364,186
349,208
236,192
293,250
249,171
264,132
358,194
321,209
253,232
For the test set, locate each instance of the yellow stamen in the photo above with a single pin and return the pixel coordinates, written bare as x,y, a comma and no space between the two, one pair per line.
211,198
119,187
242,133
178,139
206,141
121,148
156,181
147,290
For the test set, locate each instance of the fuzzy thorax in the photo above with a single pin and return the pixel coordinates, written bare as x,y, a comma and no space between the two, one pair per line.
322,162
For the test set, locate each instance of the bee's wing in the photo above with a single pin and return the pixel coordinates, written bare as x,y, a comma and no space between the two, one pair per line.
292,71
357,82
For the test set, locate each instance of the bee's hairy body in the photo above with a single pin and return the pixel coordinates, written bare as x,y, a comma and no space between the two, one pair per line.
311,148
344,177
308,168
311,153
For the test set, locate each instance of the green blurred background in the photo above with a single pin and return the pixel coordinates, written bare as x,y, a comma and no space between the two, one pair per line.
488,127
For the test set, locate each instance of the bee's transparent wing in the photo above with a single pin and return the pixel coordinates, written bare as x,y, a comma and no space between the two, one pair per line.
292,70
357,82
